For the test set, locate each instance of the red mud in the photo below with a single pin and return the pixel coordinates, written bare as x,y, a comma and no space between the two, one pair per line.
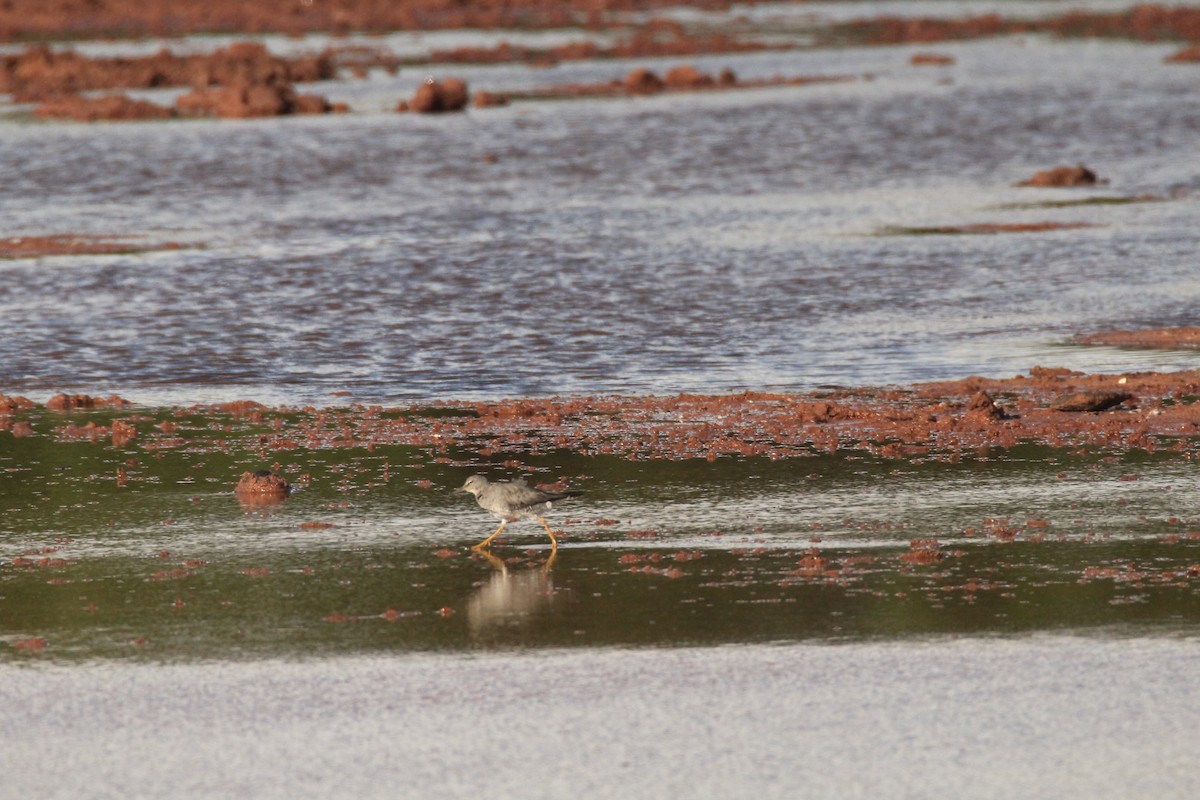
991,228
262,482
1155,338
111,108
684,78
930,60
436,97
242,80
656,39
74,244
28,19
1062,176
1148,23
1146,411
1188,55
38,73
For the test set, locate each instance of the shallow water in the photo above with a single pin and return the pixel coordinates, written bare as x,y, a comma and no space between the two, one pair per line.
986,719
365,557
739,628
691,242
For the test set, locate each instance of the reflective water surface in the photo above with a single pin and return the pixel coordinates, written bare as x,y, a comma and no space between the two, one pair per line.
372,553
1015,624
685,242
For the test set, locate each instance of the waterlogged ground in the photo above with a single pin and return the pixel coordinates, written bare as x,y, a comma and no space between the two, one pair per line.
146,553
834,625
736,611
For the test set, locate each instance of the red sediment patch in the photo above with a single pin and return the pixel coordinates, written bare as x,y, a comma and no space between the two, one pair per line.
262,482
985,228
923,551
1188,55
71,244
1145,22
315,526
239,408
489,99
1153,338
930,60
41,74
1062,176
642,81
110,108
33,645
942,420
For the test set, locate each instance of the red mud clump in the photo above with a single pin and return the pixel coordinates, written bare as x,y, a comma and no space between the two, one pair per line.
262,483
489,100
39,73
249,82
71,402
12,403
686,78
1062,176
643,81
74,245
930,60
1153,339
437,97
1188,55
111,108
250,100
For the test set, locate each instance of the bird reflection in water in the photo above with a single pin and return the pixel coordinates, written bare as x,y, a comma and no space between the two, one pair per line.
511,600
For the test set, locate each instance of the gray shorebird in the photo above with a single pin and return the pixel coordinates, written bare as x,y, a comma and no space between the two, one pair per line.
511,501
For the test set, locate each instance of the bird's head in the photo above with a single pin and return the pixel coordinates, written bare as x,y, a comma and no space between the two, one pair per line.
475,484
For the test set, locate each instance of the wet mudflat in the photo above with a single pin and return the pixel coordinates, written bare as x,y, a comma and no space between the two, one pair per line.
871,575
703,625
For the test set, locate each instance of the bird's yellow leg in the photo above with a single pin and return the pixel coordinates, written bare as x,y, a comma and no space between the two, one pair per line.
553,541
488,540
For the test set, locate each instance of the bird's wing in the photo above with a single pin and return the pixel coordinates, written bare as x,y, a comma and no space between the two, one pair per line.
527,496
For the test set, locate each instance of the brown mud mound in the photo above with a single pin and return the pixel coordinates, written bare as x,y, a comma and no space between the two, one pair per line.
1154,338
69,244
262,483
1062,176
70,402
244,99
11,403
437,97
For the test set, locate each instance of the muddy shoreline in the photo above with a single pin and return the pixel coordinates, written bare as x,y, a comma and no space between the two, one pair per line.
945,421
